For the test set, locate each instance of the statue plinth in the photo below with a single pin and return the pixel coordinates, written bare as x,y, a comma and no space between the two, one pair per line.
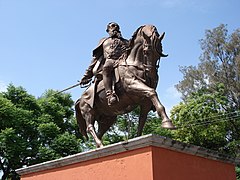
149,157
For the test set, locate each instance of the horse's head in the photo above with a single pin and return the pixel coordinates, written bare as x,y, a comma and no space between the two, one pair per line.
152,39
149,42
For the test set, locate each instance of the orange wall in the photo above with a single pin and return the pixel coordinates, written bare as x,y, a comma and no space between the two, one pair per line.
172,165
130,165
149,163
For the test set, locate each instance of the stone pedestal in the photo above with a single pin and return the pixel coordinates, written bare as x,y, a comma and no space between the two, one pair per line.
148,157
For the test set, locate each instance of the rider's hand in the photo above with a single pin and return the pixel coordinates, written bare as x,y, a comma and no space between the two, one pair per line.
85,81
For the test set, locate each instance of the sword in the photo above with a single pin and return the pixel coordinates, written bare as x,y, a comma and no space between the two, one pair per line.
75,85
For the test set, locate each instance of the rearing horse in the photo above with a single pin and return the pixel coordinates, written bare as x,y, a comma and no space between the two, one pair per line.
135,86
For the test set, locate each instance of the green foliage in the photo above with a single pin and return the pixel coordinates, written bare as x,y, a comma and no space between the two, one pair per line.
21,99
35,130
127,125
209,114
219,63
125,128
66,144
211,93
202,120
238,172
60,102
199,122
113,136
10,145
48,131
46,154
153,126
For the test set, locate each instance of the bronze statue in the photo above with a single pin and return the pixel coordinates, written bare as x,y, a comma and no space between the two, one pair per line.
112,49
128,71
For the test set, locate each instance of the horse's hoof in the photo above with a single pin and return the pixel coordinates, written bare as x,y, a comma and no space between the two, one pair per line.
167,124
99,145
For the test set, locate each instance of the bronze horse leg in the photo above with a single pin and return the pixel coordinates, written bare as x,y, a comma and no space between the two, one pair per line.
88,114
138,88
104,123
144,110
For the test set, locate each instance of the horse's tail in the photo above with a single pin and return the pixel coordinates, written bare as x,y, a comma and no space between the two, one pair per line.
80,120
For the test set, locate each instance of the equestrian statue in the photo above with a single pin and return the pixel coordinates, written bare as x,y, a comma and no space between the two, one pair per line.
125,76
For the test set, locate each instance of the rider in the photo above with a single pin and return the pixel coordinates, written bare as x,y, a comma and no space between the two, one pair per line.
112,49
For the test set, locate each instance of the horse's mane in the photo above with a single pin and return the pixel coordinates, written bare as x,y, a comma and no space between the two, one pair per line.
134,36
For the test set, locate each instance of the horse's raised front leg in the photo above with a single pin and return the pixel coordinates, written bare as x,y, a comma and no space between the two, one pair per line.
138,88
88,115
166,122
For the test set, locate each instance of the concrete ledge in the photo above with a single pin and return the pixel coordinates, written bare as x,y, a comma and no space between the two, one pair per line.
136,143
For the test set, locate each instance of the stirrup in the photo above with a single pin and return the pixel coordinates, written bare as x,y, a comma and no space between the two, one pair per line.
112,98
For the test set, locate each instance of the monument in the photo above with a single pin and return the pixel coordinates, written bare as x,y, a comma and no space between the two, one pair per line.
126,76
147,157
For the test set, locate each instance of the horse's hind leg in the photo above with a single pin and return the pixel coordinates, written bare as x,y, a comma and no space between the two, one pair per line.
88,115
104,123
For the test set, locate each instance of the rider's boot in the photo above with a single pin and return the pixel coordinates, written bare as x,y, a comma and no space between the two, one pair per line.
111,97
107,81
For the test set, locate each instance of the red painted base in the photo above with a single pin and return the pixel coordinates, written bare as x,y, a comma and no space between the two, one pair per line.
139,159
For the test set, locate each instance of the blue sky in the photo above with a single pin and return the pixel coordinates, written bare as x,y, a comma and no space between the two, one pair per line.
47,44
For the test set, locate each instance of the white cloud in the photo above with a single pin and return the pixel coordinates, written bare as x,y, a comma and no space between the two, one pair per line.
3,86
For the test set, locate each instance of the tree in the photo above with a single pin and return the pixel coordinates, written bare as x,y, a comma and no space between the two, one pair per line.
219,63
18,139
205,111
199,120
35,130
202,120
